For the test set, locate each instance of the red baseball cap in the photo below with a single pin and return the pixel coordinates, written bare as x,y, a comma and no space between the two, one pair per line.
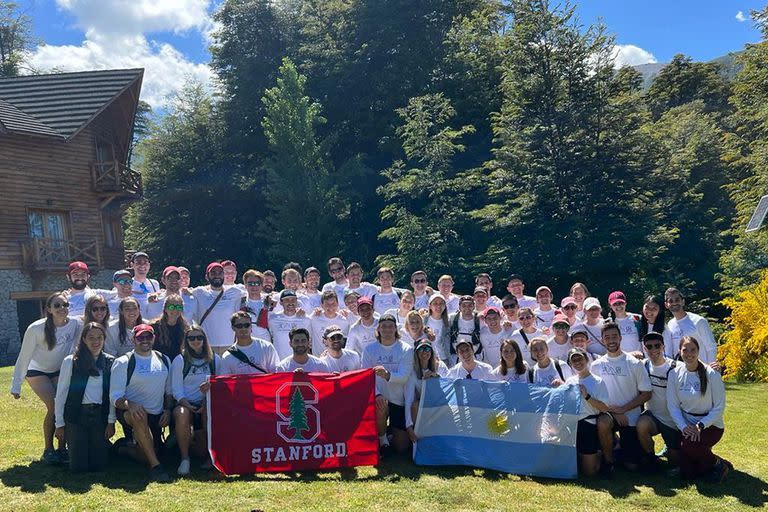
567,301
141,328
490,309
77,265
364,300
616,296
561,319
212,266
171,269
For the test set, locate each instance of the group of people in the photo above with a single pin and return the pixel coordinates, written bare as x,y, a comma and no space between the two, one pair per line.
141,354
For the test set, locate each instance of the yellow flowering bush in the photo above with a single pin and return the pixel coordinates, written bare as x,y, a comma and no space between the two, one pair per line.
744,348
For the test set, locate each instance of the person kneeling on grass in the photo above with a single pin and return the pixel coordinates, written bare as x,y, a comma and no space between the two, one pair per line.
190,372
140,389
594,394
84,415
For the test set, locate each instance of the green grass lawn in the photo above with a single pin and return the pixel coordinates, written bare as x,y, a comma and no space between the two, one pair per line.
26,484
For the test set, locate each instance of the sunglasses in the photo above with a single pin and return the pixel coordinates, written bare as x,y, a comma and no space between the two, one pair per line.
337,269
174,307
652,346
253,283
422,280
241,326
525,317
59,305
424,349
337,337
195,337
509,306
124,282
570,306
97,309
145,337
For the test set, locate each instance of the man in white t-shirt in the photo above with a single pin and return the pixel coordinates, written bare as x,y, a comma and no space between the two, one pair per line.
386,297
338,358
300,359
546,371
419,286
338,273
122,280
468,367
363,332
230,272
78,294
491,336
310,288
328,316
445,288
593,324
544,311
142,285
281,324
355,281
480,297
465,323
154,306
629,387
516,286
215,305
484,280
140,389
684,323
249,354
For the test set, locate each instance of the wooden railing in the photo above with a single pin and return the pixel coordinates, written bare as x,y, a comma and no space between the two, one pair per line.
113,176
54,253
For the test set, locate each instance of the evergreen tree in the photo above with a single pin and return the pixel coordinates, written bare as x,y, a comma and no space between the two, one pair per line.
15,38
298,411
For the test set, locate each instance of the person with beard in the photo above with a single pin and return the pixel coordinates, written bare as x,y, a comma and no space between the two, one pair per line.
120,332
301,361
79,292
122,280
143,398
85,418
269,282
215,305
45,345
363,332
629,387
683,324
338,358
249,354
155,305
338,273
310,288
142,285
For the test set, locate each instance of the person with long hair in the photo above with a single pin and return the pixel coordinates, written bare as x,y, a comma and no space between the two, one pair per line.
580,293
653,317
96,310
170,327
190,372
437,321
512,366
120,332
85,418
45,345
426,365
404,306
414,329
696,401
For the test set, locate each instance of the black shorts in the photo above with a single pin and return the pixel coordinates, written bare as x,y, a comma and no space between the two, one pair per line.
587,442
396,416
38,373
197,421
671,436
630,444
153,420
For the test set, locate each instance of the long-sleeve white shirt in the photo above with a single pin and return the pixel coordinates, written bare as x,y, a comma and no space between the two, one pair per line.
189,387
398,361
686,403
93,392
150,382
34,354
690,325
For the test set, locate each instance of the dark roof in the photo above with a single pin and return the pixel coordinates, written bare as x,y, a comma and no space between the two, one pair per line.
60,104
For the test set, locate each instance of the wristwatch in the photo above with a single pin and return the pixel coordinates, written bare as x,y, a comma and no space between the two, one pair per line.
699,425
586,398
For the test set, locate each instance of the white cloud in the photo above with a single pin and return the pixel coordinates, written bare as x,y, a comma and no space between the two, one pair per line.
631,55
118,35
740,16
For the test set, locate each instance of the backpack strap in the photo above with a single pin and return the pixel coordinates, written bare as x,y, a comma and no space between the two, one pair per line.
559,369
530,375
132,365
188,367
237,354
213,305
525,337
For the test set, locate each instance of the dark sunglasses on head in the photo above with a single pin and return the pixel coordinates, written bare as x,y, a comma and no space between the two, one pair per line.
241,326
145,336
652,346
253,283
59,305
96,309
174,307
195,337
337,337
125,281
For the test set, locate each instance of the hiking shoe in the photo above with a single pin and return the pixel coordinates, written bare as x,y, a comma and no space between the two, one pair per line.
607,470
183,467
51,456
649,463
158,474
63,454
719,472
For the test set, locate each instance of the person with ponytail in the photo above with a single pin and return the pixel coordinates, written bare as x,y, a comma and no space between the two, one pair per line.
85,418
696,401
120,332
45,345
170,327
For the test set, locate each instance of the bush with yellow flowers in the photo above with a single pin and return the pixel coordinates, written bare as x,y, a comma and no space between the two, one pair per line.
744,348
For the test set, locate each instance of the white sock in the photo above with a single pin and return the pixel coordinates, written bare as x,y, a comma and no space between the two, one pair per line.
383,440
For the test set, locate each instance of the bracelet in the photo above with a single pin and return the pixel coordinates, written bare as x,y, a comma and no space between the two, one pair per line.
586,398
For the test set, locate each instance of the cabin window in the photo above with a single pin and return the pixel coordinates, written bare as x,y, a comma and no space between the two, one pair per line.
112,229
48,224
105,156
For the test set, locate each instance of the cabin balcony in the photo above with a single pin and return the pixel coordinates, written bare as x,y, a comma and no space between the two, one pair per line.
114,179
57,254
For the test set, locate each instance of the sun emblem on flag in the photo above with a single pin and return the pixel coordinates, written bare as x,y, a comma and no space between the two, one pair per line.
498,423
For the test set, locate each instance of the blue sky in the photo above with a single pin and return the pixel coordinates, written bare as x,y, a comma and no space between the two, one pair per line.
169,38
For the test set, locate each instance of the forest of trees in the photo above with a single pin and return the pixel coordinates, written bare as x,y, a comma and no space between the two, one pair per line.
459,136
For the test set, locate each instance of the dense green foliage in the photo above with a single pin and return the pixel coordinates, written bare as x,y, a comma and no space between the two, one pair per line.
459,136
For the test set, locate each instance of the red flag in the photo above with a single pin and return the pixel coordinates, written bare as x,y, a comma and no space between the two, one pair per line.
292,421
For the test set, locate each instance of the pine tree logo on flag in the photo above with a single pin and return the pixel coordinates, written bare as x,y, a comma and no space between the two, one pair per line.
301,424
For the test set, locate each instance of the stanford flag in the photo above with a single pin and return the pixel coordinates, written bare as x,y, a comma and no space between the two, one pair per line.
292,421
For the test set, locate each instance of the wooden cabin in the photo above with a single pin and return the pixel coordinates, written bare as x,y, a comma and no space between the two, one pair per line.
65,182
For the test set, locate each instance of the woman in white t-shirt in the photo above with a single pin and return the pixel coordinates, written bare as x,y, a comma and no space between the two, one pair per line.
627,322
426,365
653,318
45,345
512,367
414,329
120,333
579,292
407,300
437,321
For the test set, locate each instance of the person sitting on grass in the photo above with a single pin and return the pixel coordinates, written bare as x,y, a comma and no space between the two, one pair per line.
190,372
85,418
140,389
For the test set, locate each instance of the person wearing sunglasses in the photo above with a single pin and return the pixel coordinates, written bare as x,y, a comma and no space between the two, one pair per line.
155,306
628,323
321,320
190,373
253,303
122,281
120,332
140,389
96,310
426,365
339,283
568,307
170,327
249,354
79,277
45,345
656,419
421,291
526,333
337,357
85,418
559,343
511,309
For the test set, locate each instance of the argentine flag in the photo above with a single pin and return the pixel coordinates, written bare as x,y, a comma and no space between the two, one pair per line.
510,427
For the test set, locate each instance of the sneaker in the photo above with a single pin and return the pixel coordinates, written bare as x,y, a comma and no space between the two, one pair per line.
183,467
649,463
607,470
207,464
385,451
51,456
158,474
63,455
719,472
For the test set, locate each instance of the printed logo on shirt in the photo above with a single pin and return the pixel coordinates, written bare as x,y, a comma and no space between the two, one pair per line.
616,371
692,387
